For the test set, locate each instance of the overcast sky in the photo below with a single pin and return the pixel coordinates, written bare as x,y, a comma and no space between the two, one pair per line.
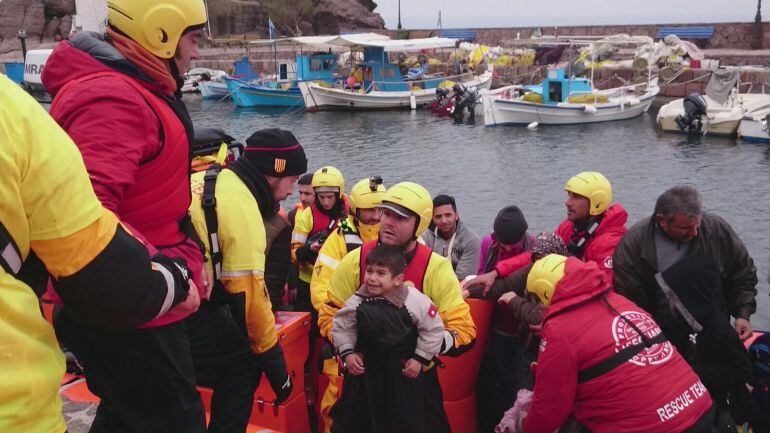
523,13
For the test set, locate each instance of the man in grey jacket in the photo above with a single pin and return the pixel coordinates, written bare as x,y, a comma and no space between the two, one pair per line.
448,237
679,228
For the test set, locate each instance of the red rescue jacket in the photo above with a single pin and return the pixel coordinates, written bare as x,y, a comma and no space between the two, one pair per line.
655,391
601,246
134,146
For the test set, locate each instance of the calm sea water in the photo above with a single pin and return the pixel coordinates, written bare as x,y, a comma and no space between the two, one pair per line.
488,168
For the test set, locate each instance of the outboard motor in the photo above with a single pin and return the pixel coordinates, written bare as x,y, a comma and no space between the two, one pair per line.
443,104
694,110
465,100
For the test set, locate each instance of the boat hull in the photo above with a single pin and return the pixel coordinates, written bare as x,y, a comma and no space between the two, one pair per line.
254,95
753,130
506,111
722,128
317,97
213,90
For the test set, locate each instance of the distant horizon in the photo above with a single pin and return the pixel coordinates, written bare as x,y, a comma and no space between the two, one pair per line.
423,14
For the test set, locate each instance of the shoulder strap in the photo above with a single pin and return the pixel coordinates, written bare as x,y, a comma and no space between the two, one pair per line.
417,267
209,205
576,246
676,303
622,356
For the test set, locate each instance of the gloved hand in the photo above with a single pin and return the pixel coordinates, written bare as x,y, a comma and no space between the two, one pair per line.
177,269
274,366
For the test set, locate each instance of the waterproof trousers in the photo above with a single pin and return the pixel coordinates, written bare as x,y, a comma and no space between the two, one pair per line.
146,377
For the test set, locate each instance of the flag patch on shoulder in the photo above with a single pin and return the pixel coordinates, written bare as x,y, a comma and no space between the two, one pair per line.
432,311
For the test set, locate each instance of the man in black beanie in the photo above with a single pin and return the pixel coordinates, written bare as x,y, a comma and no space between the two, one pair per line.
231,210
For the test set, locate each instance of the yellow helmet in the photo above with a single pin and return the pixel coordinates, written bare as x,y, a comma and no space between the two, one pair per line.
593,186
544,275
328,179
367,194
409,198
156,25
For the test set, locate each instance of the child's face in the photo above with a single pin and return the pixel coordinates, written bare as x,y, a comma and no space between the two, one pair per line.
380,281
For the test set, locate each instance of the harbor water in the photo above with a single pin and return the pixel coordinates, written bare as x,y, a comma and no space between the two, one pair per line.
487,168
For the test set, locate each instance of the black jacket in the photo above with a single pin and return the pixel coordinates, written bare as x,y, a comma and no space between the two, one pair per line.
635,265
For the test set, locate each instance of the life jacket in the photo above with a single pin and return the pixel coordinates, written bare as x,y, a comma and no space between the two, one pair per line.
157,201
415,270
350,236
321,221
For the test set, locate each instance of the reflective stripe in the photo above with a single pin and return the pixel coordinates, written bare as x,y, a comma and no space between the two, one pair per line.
298,237
328,261
214,243
449,342
353,239
232,274
11,258
170,289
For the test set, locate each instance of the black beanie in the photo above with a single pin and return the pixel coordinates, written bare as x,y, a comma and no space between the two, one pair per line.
510,225
275,152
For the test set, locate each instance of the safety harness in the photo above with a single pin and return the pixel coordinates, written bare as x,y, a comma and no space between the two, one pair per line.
209,205
622,356
576,245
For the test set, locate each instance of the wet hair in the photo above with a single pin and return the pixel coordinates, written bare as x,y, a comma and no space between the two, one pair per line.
305,179
388,257
443,199
681,199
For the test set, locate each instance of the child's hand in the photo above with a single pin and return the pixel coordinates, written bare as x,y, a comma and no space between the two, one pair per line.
412,368
506,298
354,364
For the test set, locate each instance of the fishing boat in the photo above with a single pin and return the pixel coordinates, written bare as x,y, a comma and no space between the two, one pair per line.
560,100
379,84
755,125
315,61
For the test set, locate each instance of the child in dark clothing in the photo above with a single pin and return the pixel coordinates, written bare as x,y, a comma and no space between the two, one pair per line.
387,336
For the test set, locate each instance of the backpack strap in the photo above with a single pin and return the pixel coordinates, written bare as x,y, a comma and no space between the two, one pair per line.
10,255
209,205
31,271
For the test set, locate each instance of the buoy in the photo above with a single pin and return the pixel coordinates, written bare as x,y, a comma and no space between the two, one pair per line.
589,109
532,125
412,102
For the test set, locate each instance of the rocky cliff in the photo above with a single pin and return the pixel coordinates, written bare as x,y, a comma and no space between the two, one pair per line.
47,21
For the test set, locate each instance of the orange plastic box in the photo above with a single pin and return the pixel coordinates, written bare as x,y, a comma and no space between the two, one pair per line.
290,417
206,394
462,414
458,379
293,330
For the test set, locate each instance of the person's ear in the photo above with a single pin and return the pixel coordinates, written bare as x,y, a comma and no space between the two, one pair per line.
398,279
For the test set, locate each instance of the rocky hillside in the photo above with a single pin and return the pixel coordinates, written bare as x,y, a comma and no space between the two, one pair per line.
47,21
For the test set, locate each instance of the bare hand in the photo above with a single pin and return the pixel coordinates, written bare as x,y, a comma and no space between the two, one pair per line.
208,282
466,294
412,368
189,305
292,295
487,280
743,328
354,364
315,246
506,298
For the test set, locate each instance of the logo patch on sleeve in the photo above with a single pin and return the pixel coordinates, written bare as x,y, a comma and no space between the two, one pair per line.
432,311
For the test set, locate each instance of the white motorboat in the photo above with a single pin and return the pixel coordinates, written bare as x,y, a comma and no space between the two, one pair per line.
564,101
718,112
197,75
755,124
213,89
323,97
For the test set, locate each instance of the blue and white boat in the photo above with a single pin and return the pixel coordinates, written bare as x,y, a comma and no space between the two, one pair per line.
562,101
281,90
379,83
